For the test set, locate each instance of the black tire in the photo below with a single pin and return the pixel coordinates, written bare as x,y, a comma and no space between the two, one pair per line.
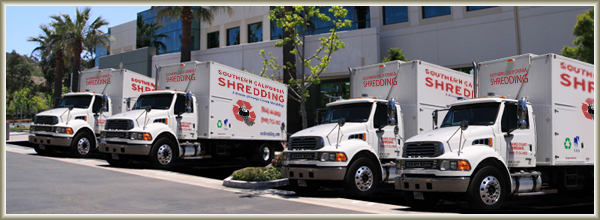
310,189
487,190
362,178
83,144
121,162
429,200
49,150
264,154
164,154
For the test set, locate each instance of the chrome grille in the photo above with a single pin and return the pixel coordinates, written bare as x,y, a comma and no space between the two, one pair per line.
428,164
422,149
117,124
47,120
306,143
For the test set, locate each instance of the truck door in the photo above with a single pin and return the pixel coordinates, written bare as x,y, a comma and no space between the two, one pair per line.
186,121
518,144
387,145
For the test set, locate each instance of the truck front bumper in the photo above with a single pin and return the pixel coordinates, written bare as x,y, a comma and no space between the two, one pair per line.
123,148
51,140
432,184
314,173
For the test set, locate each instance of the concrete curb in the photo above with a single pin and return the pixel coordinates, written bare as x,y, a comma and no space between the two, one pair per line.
254,184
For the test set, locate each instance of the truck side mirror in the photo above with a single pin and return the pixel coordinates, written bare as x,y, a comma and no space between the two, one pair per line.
341,122
434,115
396,130
188,102
282,126
128,103
148,108
70,107
464,124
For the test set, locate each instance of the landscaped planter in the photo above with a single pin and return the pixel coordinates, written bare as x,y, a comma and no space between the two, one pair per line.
254,184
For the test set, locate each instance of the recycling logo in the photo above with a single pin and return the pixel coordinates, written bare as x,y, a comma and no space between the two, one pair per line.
242,112
219,124
567,143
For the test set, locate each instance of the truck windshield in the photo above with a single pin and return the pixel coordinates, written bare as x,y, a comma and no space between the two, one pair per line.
78,101
476,114
159,101
351,112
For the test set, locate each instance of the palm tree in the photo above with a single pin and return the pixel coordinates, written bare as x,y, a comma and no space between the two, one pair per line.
79,33
146,35
186,15
52,44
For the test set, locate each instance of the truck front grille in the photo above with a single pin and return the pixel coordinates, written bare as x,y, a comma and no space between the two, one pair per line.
44,128
422,149
117,124
305,143
46,120
116,134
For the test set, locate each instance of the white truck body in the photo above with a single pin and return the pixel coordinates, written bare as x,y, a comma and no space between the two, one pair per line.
119,86
231,113
415,88
506,149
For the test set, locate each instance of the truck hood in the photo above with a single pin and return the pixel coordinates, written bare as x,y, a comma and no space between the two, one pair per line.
59,111
443,135
323,130
134,114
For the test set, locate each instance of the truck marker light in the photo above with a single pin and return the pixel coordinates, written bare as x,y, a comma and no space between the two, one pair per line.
464,165
511,60
381,66
182,64
490,142
340,157
364,137
69,131
147,136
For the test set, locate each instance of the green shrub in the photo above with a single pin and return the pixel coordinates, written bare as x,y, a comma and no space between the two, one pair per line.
277,161
257,174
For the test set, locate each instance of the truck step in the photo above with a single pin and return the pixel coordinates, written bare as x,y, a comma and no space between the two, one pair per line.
530,194
197,157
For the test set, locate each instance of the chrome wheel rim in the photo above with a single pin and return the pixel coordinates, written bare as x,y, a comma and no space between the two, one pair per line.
83,146
266,153
164,154
363,178
489,190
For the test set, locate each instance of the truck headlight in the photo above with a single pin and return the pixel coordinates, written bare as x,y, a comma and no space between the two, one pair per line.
333,156
141,136
64,130
455,165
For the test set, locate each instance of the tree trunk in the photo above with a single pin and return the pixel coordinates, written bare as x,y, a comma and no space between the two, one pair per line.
76,65
186,33
293,118
58,73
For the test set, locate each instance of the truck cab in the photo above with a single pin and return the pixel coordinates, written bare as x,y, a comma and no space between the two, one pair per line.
73,124
354,141
152,128
474,151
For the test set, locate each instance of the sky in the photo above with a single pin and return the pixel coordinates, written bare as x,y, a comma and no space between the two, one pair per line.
23,22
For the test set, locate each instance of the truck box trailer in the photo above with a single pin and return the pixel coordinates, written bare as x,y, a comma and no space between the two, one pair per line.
389,103
201,110
530,126
77,121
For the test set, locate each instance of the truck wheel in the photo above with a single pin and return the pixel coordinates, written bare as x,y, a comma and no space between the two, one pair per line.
487,190
362,178
264,154
47,151
82,145
121,162
310,189
163,154
429,200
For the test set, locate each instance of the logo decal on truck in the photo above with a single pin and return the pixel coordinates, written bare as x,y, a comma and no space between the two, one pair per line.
588,108
242,112
568,143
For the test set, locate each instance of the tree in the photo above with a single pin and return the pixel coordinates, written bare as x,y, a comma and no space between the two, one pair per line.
146,35
19,70
186,15
297,22
584,44
78,33
395,54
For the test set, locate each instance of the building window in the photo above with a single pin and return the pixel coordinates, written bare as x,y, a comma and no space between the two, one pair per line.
474,8
233,36
212,40
435,11
395,14
255,32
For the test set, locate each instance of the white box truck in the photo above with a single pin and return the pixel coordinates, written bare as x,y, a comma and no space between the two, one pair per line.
357,144
75,124
201,110
540,132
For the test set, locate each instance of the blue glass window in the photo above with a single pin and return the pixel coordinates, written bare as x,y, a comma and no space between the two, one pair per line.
233,36
212,40
173,30
255,32
395,14
435,11
474,8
